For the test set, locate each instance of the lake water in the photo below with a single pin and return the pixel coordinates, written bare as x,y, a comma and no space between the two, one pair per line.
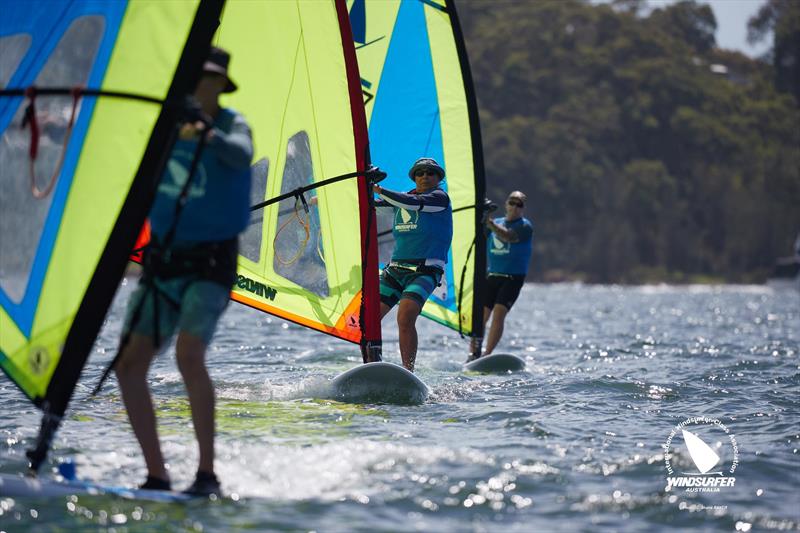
576,443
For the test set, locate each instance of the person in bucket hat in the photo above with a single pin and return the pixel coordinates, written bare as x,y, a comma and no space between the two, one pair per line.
423,229
217,63
186,279
426,163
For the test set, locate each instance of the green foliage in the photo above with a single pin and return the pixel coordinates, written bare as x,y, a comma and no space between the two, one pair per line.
781,19
645,151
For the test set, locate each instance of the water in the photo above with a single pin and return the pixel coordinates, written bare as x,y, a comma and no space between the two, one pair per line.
574,444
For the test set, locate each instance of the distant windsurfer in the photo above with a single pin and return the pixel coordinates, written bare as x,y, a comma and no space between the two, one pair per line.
189,268
423,229
510,246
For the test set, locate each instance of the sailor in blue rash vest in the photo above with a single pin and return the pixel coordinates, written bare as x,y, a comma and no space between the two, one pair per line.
186,283
510,243
423,229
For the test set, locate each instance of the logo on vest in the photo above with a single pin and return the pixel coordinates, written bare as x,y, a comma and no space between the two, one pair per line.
499,247
405,220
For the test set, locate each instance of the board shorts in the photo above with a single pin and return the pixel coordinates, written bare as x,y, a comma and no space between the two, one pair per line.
502,289
185,304
413,283
187,294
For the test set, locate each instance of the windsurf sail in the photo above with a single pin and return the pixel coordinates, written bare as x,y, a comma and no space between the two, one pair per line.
306,258
419,100
90,97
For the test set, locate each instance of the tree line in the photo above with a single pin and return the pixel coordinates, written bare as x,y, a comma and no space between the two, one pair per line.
647,152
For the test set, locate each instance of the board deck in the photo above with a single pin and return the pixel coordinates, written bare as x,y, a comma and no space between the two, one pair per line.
17,486
496,363
379,383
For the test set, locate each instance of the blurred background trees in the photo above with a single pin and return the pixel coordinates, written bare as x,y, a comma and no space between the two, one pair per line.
647,153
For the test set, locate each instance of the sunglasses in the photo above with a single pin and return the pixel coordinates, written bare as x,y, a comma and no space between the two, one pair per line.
515,203
420,173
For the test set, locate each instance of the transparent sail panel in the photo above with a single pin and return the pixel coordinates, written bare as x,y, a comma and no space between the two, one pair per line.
24,215
299,253
250,241
12,50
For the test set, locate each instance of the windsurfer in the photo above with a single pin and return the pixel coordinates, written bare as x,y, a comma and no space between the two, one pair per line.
189,268
423,229
510,246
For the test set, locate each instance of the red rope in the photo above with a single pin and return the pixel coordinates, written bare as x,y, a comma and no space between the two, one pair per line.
30,120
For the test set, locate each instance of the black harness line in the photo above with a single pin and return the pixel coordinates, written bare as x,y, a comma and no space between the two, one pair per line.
163,254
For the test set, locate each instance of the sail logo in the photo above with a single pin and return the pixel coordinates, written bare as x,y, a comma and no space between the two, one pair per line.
499,247
405,220
39,360
710,473
256,287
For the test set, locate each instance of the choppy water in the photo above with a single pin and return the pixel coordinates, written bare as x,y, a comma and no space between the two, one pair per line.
574,444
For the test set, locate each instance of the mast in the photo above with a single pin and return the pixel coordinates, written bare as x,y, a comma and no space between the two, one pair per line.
369,315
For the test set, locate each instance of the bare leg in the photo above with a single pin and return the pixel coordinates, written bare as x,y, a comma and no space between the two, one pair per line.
191,351
131,370
496,330
407,314
487,312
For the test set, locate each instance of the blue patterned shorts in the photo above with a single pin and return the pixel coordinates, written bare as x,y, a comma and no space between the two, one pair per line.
398,283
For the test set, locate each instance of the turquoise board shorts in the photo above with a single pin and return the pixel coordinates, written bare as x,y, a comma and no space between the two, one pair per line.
398,283
185,303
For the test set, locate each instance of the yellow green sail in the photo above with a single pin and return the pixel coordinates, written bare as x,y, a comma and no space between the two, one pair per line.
96,87
295,66
419,102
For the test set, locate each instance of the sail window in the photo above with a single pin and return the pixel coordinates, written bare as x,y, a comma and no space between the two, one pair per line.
250,242
12,50
299,254
24,216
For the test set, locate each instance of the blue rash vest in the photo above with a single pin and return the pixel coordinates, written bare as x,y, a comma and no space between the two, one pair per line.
511,258
423,225
218,203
